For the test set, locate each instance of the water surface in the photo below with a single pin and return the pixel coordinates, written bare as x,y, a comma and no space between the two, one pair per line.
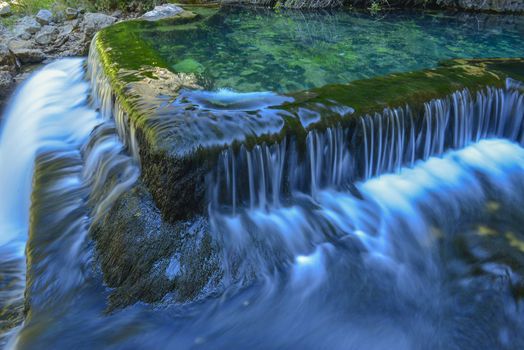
266,50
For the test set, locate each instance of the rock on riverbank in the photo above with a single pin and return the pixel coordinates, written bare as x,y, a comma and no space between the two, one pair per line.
35,39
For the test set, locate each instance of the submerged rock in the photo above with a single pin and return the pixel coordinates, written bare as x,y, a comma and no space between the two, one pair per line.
162,12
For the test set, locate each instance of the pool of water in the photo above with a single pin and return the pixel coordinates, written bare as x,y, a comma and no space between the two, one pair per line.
263,49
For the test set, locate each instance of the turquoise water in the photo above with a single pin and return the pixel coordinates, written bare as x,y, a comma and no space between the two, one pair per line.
260,49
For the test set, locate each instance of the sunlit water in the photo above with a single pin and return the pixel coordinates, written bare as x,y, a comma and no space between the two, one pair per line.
414,254
429,257
266,50
49,122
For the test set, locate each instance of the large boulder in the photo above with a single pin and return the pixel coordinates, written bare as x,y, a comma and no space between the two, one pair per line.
44,17
26,27
162,11
26,52
5,9
93,22
46,35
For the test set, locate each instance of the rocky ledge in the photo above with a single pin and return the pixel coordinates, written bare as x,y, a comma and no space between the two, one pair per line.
177,129
35,39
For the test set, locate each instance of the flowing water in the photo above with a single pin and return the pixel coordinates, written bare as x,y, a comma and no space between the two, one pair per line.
78,155
403,233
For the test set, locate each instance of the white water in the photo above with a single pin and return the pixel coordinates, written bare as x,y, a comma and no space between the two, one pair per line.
51,124
378,144
339,267
48,112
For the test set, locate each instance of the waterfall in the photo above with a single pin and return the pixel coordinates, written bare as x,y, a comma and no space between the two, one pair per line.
380,233
109,106
376,144
81,169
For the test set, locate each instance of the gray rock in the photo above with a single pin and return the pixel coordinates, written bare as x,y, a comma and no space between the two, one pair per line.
66,29
25,27
46,35
5,9
44,17
117,14
6,82
162,11
93,22
71,13
7,59
26,52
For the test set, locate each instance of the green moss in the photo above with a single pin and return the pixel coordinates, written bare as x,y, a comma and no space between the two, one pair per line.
395,90
177,142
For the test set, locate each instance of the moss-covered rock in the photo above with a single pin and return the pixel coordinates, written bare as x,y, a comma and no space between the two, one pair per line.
180,129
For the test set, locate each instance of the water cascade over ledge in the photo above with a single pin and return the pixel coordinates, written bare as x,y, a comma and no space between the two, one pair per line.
81,168
399,229
376,144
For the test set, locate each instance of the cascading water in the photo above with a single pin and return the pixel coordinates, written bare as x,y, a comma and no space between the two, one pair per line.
49,123
402,232
379,144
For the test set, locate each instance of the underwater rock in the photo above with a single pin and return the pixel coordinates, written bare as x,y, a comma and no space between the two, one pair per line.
188,65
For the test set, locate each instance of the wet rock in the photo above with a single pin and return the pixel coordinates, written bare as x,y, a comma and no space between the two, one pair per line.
93,22
143,258
25,51
46,35
44,17
71,13
25,27
5,9
7,59
6,82
162,11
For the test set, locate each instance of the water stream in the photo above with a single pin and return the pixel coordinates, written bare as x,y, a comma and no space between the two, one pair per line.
399,234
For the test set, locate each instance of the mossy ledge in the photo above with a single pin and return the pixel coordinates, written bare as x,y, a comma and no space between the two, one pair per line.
177,141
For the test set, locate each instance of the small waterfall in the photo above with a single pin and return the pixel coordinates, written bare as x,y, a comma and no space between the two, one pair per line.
376,144
104,97
81,169
393,217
